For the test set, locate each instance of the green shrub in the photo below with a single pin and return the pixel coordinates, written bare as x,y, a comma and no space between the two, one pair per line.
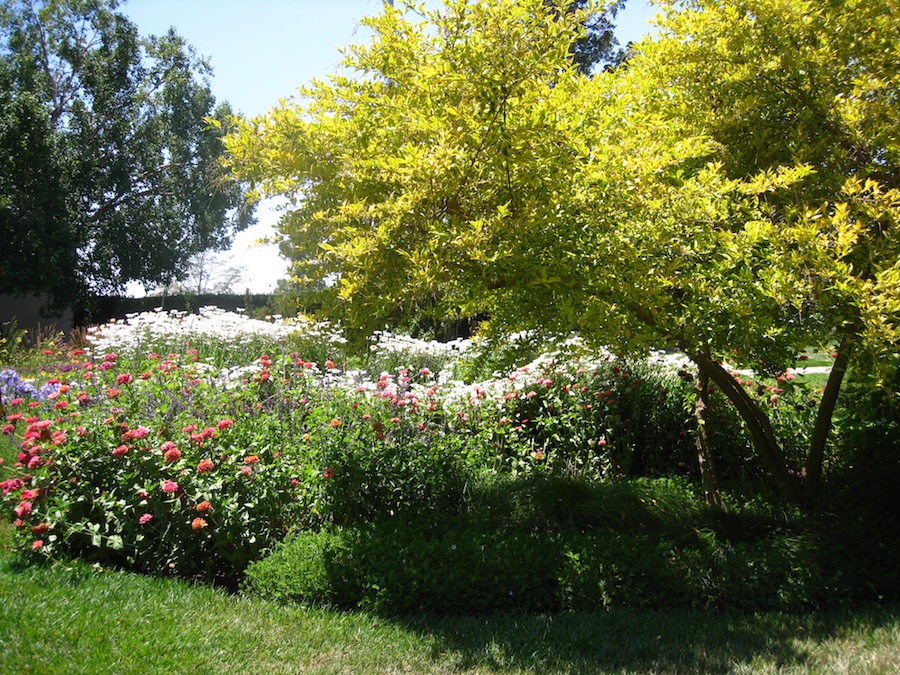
544,544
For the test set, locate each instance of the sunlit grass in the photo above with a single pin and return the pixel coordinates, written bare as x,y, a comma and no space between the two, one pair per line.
75,619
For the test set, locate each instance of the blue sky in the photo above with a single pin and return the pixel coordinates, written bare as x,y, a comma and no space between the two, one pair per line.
263,50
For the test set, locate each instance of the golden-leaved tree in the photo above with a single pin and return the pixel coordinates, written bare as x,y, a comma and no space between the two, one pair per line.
729,191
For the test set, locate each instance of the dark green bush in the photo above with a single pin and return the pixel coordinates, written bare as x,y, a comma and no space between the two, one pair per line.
547,544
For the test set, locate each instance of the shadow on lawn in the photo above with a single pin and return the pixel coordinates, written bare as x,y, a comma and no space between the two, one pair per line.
641,641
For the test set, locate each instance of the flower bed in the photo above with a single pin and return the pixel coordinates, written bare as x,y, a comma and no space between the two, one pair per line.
188,462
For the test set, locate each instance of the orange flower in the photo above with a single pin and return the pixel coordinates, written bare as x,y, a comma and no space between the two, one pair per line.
336,422
204,507
205,465
198,524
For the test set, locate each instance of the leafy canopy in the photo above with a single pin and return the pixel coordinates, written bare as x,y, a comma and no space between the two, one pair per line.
731,191
113,171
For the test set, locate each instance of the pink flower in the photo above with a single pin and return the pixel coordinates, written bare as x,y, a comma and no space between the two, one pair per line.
246,470
330,364
172,455
23,509
224,424
8,429
36,544
198,524
205,466
121,450
146,518
169,486
124,378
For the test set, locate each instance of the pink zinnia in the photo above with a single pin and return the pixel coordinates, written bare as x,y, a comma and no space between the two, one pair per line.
36,544
146,518
328,473
121,450
246,470
124,378
169,486
224,424
172,455
205,466
23,509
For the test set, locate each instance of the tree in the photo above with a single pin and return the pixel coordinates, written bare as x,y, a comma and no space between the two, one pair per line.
468,168
597,45
115,169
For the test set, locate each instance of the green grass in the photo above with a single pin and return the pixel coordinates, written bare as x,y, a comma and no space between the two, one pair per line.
80,620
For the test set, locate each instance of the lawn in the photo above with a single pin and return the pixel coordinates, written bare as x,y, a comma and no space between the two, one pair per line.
78,619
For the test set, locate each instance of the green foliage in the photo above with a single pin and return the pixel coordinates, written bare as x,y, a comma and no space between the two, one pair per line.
540,545
11,341
113,163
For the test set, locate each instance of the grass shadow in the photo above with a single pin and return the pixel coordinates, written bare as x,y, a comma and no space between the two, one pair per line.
644,641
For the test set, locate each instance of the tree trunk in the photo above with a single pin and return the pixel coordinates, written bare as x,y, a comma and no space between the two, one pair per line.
757,422
704,455
813,479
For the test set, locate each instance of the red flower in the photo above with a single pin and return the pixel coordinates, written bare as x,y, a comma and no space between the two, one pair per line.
172,455
40,528
205,466
328,473
224,424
